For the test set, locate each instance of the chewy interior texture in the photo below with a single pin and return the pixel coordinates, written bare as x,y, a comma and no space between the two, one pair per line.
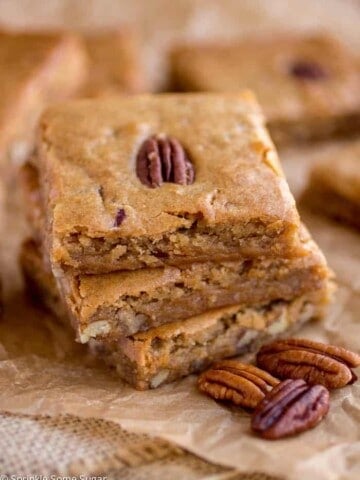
163,354
124,303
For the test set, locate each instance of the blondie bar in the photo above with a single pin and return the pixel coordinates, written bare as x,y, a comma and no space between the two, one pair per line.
166,353
308,85
153,180
35,69
334,185
124,303
115,64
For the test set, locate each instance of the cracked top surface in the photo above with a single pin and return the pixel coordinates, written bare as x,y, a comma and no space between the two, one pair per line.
267,64
86,157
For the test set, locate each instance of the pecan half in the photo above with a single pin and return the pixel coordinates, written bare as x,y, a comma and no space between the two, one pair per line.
314,362
237,382
163,159
306,70
291,407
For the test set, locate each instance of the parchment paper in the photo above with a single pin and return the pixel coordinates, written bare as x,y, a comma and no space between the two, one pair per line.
42,370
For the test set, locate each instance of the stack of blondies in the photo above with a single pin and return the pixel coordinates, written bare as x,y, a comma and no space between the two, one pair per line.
164,230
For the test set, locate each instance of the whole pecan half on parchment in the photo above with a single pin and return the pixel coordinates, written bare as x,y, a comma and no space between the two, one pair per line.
239,383
314,362
291,407
163,159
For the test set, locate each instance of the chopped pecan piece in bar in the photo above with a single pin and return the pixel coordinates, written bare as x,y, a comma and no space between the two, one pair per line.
291,407
315,362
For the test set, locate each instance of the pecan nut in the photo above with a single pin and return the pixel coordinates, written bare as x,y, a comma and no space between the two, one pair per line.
119,217
291,407
314,362
306,70
163,159
239,383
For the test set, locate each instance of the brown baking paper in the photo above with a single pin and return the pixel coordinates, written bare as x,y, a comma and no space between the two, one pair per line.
43,371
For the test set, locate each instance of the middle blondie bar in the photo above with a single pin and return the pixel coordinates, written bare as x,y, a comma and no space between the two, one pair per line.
154,180
124,303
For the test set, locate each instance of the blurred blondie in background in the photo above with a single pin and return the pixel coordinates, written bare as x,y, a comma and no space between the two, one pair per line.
162,23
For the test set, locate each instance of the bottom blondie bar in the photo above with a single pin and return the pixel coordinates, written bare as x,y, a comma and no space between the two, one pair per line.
166,353
334,187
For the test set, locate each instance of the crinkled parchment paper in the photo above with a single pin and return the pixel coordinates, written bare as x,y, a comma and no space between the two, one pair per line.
42,370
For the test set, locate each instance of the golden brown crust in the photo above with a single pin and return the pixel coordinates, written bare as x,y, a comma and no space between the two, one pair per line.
86,158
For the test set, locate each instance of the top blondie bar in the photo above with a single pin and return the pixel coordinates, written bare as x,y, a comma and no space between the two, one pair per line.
307,84
169,179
